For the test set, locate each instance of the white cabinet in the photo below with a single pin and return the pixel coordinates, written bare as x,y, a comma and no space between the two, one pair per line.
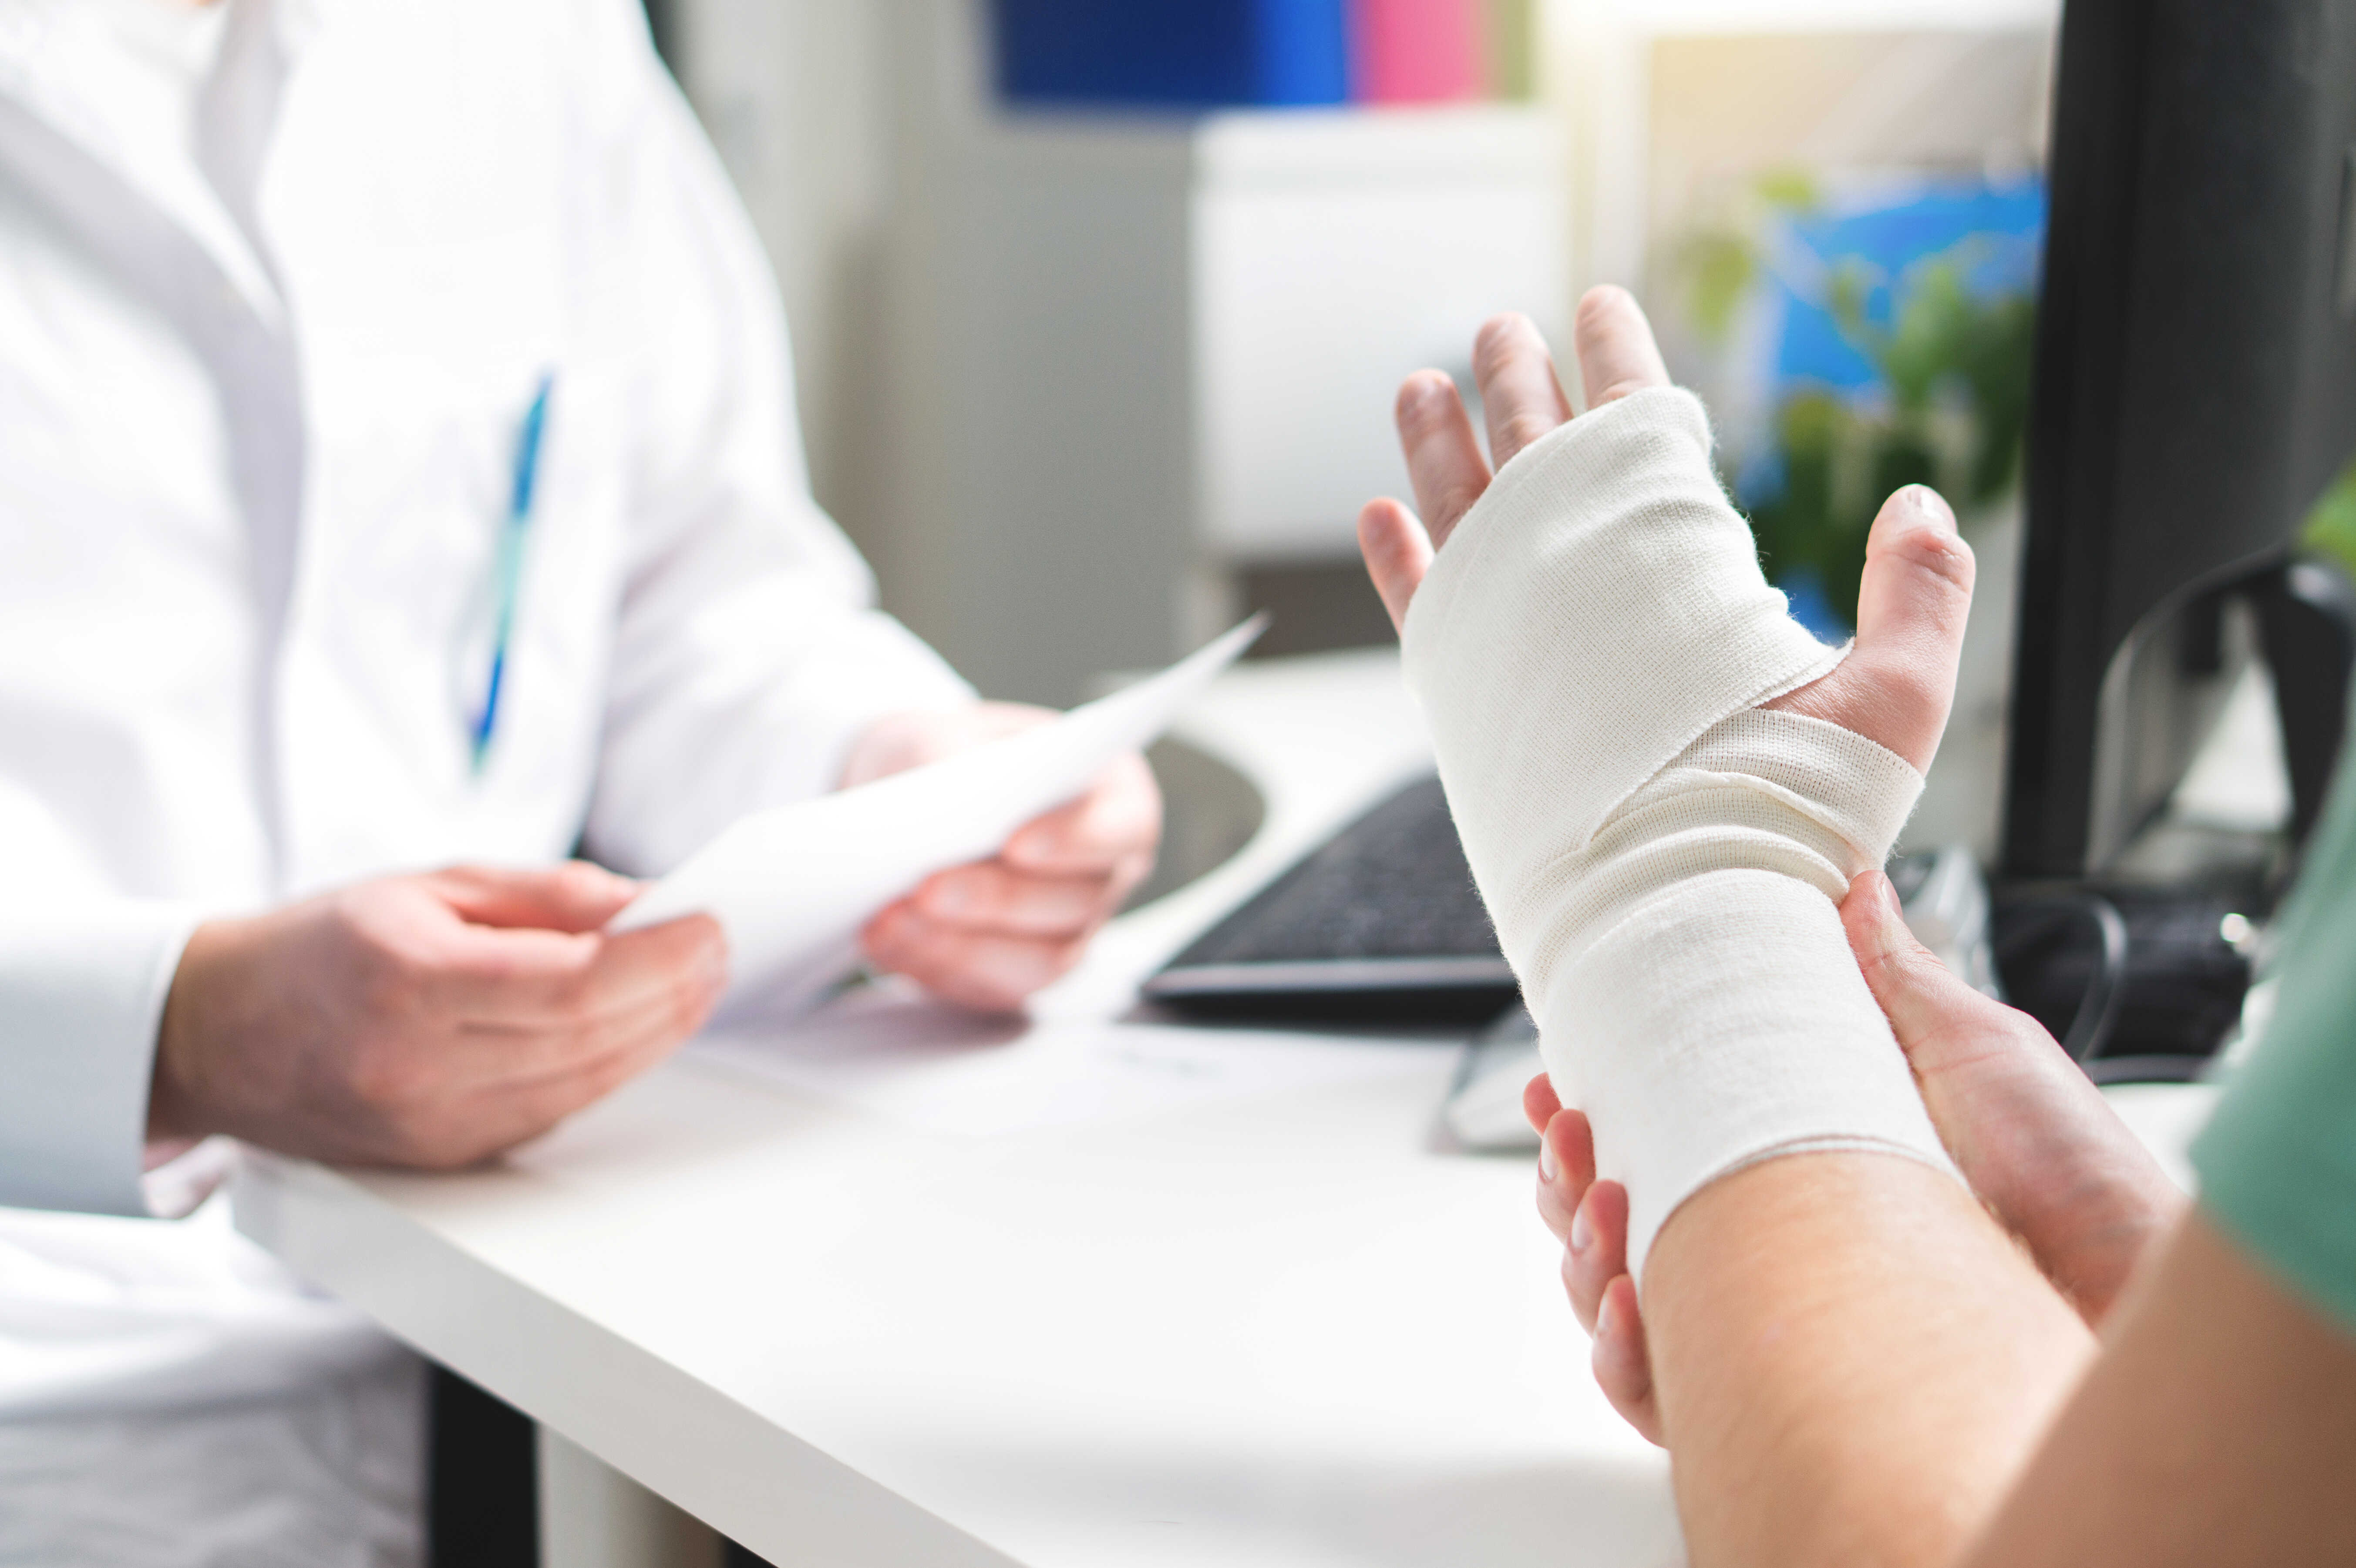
1130,353
1332,256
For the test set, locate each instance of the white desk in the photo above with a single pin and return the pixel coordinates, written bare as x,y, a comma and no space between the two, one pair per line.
1285,1329
1282,1328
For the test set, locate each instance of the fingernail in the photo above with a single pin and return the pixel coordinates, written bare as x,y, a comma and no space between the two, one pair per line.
1547,1169
1933,507
948,898
1580,1233
1885,894
1424,392
1607,1316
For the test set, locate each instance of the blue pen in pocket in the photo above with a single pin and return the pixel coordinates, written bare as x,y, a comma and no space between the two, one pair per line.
508,566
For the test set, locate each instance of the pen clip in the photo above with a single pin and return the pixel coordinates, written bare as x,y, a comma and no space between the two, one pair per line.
507,566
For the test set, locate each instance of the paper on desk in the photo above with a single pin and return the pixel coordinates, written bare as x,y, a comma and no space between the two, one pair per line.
792,885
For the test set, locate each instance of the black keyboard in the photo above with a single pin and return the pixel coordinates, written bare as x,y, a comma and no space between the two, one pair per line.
1381,921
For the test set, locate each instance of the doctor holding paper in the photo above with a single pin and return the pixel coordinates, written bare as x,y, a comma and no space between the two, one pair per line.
400,487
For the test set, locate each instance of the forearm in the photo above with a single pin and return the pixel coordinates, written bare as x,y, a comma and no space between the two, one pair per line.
1666,790
2218,1426
1853,1362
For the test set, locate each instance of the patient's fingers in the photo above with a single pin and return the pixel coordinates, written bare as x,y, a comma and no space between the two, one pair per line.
1443,459
1521,398
1398,553
1617,355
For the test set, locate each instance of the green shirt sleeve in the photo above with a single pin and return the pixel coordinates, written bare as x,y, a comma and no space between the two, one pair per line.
2278,1162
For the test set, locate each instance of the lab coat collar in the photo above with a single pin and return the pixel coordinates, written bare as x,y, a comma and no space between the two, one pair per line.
58,69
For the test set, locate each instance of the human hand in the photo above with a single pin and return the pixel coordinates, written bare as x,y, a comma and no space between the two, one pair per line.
987,934
1897,681
425,1020
2034,1137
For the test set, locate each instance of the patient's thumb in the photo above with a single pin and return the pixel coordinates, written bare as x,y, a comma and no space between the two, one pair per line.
1911,605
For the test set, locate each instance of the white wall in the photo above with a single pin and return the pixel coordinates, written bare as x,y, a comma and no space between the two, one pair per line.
822,110
797,96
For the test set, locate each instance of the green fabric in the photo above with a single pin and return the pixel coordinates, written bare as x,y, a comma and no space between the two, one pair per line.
2278,1162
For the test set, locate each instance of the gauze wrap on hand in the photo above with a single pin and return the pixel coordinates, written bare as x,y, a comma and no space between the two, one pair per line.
1663,858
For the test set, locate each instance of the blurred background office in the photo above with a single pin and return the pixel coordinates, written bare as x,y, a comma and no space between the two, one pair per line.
1104,335
1100,309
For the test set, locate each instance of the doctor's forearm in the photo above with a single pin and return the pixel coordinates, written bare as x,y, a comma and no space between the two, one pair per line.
1853,1362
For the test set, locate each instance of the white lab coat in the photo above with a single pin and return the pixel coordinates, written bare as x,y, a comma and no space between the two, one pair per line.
258,424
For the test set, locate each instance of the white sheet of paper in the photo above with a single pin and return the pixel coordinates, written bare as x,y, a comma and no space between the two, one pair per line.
925,1065
792,885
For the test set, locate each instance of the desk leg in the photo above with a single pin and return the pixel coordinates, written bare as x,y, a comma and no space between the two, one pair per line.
593,1516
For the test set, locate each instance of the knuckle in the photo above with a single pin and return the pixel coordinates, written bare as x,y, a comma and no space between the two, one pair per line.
571,997
1457,500
1887,964
386,987
1937,552
395,974
1524,430
385,1075
1908,691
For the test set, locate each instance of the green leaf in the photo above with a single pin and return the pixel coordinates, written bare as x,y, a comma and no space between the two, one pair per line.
2331,523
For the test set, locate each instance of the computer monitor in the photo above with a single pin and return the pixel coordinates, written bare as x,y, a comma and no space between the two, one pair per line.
2195,393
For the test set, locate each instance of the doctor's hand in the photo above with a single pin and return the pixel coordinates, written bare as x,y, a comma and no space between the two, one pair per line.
987,934
1899,679
2042,1150
424,1021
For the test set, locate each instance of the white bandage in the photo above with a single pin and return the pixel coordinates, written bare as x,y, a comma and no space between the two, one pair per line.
1662,856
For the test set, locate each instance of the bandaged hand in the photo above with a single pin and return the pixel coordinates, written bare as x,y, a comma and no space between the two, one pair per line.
989,934
1665,785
